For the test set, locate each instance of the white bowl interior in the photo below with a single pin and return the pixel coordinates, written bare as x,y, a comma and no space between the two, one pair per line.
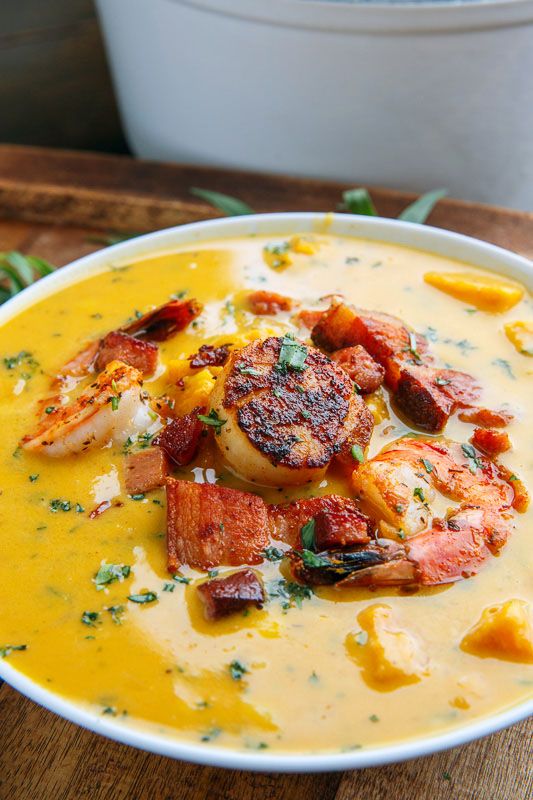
434,240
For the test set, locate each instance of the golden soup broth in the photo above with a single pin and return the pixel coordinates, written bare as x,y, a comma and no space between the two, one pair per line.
164,667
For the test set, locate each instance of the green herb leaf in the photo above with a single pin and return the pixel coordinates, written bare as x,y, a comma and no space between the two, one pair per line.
504,365
116,613
7,649
180,578
357,453
273,554
358,201
230,206
34,477
428,466
312,560
419,492
361,637
213,419
143,597
59,505
420,210
292,355
237,670
90,618
18,271
109,573
308,534
290,593
248,371
474,462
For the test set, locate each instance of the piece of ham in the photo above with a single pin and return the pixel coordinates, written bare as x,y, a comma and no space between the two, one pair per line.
145,470
288,519
338,529
163,322
180,439
209,526
230,594
120,346
366,373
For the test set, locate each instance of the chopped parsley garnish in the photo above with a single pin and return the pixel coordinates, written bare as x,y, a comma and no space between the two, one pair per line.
7,649
401,534
59,505
413,348
115,400
180,578
49,409
419,492
308,534
116,613
79,508
33,478
211,734
292,355
248,371
90,618
24,358
212,573
290,593
357,453
504,365
277,392
273,553
428,466
139,496
373,718
169,587
278,249
474,462
143,597
110,710
109,573
399,508
361,637
442,381
310,559
237,670
213,419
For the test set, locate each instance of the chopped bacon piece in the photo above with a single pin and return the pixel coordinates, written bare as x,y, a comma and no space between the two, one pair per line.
361,367
181,437
307,318
145,470
486,417
119,346
491,442
80,365
210,356
209,526
287,519
232,593
163,322
428,396
263,302
341,529
335,328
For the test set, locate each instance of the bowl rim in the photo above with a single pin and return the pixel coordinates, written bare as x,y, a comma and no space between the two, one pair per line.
422,237
363,17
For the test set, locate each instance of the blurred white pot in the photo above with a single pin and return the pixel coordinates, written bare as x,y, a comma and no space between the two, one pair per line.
411,96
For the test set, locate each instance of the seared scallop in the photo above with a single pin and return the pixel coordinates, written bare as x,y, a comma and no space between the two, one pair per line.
285,411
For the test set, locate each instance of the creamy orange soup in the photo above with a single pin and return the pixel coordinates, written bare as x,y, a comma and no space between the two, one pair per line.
306,672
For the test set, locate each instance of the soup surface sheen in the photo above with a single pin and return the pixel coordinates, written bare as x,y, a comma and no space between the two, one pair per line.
164,666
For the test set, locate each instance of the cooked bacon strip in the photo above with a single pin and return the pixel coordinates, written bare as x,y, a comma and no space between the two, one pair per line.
120,346
361,367
486,417
334,529
491,442
210,356
427,395
181,437
287,519
163,322
209,526
232,593
145,470
520,493
264,302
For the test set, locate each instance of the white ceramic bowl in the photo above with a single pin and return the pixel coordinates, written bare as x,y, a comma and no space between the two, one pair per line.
422,237
410,96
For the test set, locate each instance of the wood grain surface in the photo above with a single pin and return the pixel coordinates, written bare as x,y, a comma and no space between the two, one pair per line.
51,203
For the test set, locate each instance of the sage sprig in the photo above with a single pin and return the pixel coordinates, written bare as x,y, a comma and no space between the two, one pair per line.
17,271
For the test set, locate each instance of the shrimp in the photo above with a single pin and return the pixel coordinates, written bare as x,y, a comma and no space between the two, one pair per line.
398,487
112,408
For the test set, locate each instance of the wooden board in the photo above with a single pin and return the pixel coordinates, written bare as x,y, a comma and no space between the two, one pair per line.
51,203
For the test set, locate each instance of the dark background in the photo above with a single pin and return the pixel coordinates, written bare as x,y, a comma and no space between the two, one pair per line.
55,87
